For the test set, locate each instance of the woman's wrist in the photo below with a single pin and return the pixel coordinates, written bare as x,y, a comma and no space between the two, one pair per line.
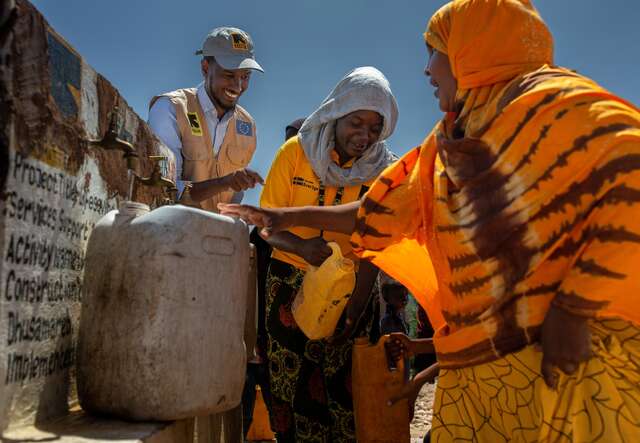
298,216
427,375
423,346
292,217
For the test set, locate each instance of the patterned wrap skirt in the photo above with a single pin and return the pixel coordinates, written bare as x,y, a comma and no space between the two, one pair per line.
507,400
310,379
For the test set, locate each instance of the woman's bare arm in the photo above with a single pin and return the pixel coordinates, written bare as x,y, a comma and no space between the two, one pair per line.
340,218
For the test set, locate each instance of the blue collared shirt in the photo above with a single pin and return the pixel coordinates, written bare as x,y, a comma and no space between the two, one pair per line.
162,120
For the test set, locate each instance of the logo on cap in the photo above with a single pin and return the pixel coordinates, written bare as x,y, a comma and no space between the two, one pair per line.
239,42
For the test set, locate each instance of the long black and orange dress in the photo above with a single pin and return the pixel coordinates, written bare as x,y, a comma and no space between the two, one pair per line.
527,197
311,379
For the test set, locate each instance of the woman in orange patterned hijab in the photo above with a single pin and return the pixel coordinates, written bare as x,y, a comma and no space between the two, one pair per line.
515,224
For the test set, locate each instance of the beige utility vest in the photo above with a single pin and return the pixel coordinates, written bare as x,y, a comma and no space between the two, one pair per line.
199,162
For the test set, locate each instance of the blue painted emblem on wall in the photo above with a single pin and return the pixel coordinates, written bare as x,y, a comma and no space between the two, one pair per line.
64,71
244,128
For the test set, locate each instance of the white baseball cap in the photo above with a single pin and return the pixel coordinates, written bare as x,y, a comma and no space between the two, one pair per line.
231,47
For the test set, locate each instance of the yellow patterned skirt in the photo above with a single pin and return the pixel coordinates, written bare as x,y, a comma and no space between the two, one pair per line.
507,400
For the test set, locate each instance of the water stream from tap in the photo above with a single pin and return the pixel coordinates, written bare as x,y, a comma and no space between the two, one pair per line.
131,178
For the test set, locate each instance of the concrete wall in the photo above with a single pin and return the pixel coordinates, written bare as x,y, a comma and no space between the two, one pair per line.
54,186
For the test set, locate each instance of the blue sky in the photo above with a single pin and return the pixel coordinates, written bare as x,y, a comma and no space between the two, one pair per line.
306,46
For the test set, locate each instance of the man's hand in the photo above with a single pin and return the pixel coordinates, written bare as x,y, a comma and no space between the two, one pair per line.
314,251
566,342
242,179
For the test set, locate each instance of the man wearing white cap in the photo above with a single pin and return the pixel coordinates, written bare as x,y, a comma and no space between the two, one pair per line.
212,137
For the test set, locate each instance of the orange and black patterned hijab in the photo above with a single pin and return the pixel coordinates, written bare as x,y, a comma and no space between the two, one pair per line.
529,196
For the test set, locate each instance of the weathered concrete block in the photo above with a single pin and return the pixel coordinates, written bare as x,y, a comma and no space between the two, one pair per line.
54,186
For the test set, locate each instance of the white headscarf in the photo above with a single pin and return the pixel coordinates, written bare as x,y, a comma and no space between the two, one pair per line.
363,89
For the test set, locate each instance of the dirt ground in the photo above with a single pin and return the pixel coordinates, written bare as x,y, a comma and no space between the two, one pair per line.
422,417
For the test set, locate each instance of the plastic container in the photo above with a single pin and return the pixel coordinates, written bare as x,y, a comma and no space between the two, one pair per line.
251,318
163,311
324,295
373,383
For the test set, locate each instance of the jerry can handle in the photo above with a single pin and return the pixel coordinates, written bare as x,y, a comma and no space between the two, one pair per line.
392,365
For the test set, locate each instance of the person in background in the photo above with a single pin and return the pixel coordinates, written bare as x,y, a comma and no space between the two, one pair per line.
257,368
213,139
212,136
293,128
340,149
396,297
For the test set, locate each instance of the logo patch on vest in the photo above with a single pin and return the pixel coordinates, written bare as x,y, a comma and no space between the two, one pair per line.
194,122
239,43
244,128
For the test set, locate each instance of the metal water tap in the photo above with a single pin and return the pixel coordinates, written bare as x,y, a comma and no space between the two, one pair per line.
171,195
186,199
156,180
111,141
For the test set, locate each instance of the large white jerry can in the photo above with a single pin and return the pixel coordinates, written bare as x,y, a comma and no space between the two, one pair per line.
164,301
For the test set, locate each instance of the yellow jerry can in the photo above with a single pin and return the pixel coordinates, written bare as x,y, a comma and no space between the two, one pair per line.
324,294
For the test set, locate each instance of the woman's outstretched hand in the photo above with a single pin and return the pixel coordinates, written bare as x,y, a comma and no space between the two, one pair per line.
314,250
270,220
400,346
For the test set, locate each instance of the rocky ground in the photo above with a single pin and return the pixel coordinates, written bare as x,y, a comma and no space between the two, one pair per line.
422,417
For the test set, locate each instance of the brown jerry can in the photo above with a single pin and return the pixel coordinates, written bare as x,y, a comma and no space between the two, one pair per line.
373,383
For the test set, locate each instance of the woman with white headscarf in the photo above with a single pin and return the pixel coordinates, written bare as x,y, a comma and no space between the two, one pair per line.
339,151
